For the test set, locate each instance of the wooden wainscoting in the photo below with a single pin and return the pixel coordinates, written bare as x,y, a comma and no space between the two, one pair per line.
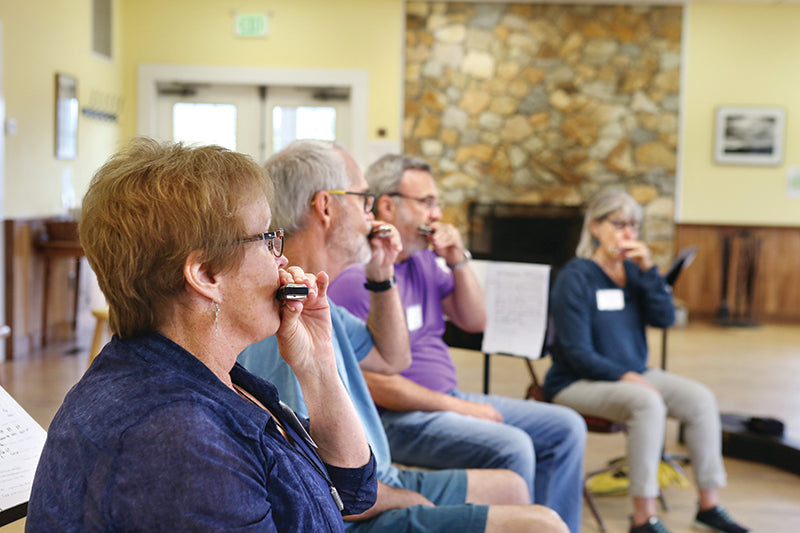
776,272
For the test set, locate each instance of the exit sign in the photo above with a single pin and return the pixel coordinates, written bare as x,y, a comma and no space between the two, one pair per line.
252,24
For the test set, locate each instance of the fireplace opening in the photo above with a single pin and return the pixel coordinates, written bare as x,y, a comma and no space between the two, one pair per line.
526,233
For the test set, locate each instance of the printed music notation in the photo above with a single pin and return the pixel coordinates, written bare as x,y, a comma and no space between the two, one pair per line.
516,308
21,443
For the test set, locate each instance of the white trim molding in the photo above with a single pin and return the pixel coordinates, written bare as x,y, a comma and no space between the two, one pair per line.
356,80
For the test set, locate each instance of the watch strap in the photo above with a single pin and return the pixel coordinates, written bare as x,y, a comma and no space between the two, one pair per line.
467,257
380,286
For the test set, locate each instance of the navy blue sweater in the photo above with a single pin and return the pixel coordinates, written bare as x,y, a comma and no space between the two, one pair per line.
600,327
151,440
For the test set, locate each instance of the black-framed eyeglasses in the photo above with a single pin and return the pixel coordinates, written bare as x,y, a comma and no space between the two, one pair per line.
273,240
369,198
431,202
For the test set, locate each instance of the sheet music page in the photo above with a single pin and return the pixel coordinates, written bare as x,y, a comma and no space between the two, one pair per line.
21,443
516,306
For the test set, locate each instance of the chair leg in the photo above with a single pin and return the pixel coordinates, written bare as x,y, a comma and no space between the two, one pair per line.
662,500
675,462
589,499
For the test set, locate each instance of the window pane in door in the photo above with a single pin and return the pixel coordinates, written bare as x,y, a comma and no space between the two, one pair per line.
290,123
204,124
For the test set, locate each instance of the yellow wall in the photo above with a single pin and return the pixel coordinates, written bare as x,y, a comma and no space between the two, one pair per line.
739,54
40,38
324,34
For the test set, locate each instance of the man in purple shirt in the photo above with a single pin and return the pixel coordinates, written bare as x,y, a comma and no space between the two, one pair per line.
430,422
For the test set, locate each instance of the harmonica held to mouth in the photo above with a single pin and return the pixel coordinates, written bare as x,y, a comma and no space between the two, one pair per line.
380,231
292,291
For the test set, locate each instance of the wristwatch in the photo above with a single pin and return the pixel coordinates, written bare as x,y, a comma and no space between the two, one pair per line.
467,257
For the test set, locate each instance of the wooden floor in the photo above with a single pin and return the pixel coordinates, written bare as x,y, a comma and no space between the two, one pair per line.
753,371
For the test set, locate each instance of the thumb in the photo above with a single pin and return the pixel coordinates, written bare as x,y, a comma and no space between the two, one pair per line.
290,315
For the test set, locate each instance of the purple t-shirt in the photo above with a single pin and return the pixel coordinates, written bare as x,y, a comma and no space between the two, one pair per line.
423,283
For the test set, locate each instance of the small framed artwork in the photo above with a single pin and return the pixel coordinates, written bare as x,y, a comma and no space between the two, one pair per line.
66,117
749,135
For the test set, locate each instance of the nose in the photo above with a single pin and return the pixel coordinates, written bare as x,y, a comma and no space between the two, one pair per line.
282,261
436,213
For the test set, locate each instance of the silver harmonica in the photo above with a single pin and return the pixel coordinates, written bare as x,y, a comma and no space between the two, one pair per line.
292,291
380,231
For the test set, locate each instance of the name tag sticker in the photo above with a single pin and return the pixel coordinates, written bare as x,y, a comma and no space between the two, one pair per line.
610,300
414,317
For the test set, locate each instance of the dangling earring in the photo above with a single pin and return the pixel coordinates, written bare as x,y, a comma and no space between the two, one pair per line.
216,317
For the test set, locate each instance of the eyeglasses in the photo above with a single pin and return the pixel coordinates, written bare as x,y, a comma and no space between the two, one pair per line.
369,198
274,241
622,224
431,202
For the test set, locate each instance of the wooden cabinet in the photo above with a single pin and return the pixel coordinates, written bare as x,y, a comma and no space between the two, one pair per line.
26,262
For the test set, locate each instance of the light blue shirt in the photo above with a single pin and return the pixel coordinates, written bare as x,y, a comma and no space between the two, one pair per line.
351,342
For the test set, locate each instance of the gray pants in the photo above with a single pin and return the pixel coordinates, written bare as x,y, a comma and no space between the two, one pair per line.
645,414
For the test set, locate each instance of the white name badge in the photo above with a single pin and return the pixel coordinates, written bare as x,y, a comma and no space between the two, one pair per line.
610,300
414,317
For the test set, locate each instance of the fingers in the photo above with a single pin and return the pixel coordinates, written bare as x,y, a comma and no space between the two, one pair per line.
637,251
385,235
317,284
445,235
386,244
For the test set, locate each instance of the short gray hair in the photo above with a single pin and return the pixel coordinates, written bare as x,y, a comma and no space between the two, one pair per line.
385,174
600,206
298,172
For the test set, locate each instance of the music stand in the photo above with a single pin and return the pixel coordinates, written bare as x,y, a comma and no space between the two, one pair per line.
678,265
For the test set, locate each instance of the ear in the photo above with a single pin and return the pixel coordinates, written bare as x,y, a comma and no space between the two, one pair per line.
321,208
386,209
199,277
594,227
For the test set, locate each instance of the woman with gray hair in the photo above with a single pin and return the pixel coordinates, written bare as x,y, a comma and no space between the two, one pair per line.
601,303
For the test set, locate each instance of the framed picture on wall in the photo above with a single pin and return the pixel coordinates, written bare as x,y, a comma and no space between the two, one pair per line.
749,135
66,117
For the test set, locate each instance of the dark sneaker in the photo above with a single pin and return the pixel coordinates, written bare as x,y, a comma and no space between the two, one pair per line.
717,519
653,525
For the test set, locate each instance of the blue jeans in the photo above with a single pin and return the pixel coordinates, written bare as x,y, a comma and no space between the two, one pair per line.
542,442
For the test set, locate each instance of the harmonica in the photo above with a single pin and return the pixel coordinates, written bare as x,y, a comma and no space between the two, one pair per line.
380,231
426,230
292,291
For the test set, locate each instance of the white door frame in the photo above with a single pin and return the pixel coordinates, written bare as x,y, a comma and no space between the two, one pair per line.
357,80
4,331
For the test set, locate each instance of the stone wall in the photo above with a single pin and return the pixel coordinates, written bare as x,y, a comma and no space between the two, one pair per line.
546,104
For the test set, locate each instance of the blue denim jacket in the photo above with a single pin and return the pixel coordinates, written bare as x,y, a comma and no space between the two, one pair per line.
151,440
